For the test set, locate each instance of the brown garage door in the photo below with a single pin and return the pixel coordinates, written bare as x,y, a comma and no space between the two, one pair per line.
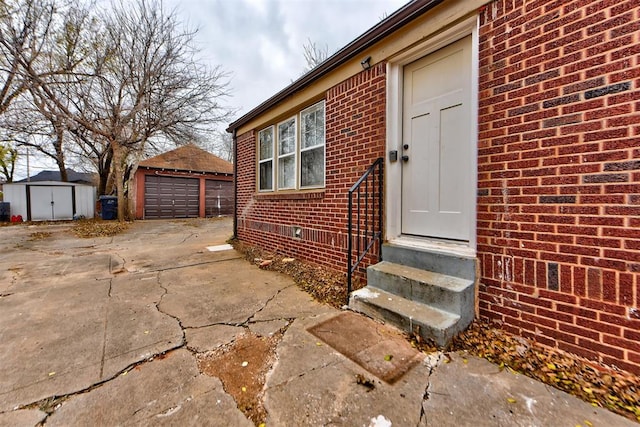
171,197
219,198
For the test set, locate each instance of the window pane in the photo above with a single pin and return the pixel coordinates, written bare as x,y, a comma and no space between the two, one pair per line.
312,126
287,137
266,175
287,172
312,167
266,144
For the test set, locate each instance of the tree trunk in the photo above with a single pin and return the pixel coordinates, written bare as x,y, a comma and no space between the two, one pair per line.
131,193
118,162
59,153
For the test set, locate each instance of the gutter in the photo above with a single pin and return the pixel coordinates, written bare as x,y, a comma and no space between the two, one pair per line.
235,184
398,19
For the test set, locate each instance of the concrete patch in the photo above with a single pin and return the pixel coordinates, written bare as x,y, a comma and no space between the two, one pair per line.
166,391
381,350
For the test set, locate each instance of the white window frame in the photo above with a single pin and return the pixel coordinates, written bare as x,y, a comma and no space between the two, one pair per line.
293,153
296,154
270,159
315,106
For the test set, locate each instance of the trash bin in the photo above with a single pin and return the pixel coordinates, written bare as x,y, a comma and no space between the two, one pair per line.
5,211
109,207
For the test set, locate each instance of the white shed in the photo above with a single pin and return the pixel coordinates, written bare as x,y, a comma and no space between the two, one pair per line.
50,200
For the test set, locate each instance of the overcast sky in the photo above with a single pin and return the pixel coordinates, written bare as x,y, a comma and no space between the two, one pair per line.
260,42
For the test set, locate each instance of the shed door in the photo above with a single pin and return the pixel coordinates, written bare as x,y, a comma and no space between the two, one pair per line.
51,202
171,197
219,198
436,175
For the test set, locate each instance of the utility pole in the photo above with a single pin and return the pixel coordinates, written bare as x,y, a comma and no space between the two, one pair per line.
28,171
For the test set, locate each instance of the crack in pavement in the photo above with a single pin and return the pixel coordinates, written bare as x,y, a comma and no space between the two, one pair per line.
176,318
246,322
177,267
106,324
188,237
433,364
49,404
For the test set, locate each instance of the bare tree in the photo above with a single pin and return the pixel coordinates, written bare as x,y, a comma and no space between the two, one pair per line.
24,26
222,145
314,54
50,49
139,86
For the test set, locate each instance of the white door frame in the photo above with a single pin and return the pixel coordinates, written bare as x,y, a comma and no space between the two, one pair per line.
393,170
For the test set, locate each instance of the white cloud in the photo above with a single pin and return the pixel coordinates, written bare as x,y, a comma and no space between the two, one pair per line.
260,42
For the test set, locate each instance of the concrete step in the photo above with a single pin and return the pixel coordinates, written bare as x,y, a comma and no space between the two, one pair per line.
431,260
413,317
448,293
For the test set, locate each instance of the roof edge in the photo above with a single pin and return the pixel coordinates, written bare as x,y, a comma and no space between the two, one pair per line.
395,21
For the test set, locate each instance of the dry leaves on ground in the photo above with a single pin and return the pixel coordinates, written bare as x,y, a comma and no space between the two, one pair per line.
324,285
90,228
39,235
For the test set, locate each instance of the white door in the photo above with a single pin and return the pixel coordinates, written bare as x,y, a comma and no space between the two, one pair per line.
51,202
437,179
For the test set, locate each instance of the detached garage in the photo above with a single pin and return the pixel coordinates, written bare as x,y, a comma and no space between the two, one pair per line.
187,182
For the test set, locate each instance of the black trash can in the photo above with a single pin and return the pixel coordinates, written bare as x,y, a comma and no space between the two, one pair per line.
5,211
109,207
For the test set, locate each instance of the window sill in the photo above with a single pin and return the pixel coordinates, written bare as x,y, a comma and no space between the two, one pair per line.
298,195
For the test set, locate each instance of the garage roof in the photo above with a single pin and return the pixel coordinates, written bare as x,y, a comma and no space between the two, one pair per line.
189,158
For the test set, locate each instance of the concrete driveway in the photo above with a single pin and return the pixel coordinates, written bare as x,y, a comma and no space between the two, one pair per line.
108,331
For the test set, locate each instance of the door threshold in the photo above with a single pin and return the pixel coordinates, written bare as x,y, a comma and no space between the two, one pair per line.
432,245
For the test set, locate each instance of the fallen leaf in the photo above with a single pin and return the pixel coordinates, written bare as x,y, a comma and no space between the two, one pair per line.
244,389
51,374
319,344
511,400
388,357
146,332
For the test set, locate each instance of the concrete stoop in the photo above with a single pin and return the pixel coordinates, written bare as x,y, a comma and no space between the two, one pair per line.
427,293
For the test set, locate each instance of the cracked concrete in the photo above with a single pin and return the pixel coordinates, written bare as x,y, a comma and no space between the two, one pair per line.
106,331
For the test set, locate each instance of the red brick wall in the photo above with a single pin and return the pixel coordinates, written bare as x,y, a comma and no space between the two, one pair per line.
559,174
355,137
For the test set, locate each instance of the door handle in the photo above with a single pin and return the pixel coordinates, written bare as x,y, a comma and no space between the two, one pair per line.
405,158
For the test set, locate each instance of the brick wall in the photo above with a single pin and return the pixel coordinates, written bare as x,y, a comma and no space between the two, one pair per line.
559,174
355,131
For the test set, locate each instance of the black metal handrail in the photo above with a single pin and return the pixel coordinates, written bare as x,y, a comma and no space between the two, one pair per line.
368,221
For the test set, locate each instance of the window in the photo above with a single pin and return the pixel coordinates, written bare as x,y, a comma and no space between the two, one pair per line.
265,138
287,154
312,146
299,153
